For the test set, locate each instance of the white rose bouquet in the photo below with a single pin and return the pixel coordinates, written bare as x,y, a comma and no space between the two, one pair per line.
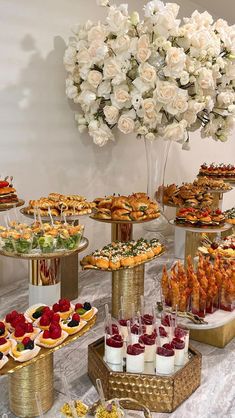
155,77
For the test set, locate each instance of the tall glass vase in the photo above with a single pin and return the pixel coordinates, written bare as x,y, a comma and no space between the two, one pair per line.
157,152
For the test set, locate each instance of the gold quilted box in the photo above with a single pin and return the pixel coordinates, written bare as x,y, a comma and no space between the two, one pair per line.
158,393
218,337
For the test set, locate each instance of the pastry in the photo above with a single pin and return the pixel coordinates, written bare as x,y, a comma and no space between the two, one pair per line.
48,316
52,337
24,329
5,345
110,410
3,330
73,324
79,406
200,217
85,310
13,319
188,194
230,215
25,350
121,215
64,308
7,191
209,183
226,171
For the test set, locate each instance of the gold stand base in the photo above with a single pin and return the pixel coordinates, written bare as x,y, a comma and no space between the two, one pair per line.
218,337
69,277
128,283
192,242
121,232
26,382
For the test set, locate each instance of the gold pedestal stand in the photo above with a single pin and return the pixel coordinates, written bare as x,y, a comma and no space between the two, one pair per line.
26,382
69,274
128,284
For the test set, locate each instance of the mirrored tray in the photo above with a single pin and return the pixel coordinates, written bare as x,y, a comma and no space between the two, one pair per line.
42,256
91,267
11,366
7,206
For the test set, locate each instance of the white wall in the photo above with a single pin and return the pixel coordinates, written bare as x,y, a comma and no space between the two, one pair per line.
40,145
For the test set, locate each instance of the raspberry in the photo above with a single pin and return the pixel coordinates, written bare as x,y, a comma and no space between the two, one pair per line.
55,334
26,340
78,306
64,302
3,341
76,317
54,326
45,320
29,328
46,309
64,308
19,331
56,318
56,307
46,334
2,325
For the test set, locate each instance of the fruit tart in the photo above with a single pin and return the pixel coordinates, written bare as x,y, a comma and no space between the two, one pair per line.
5,345
47,318
85,310
25,350
14,318
25,329
64,308
3,360
35,312
73,324
3,330
52,337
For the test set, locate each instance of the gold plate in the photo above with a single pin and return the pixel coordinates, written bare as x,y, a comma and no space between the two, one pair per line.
112,221
91,267
196,228
42,256
7,206
13,365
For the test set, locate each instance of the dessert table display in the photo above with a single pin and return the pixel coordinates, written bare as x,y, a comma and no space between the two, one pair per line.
30,340
44,245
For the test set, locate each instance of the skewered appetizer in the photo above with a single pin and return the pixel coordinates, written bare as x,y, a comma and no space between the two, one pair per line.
186,195
79,406
123,254
212,184
209,287
225,247
200,217
58,203
217,170
7,191
230,216
136,207
39,237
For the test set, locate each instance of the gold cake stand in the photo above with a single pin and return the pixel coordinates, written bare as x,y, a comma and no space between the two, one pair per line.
35,376
128,283
8,206
45,272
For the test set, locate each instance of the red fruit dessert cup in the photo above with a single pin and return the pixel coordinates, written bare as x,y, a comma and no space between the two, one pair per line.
135,358
136,331
122,320
182,333
179,346
165,360
148,320
149,342
114,348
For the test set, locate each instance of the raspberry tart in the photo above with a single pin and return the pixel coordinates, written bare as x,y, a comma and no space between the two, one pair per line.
48,316
73,324
24,329
35,312
14,318
64,308
85,311
3,330
25,350
5,345
52,337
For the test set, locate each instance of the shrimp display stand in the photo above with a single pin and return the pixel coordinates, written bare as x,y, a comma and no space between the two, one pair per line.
45,273
35,377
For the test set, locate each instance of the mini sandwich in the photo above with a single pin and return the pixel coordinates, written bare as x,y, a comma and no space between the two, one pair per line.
121,215
103,213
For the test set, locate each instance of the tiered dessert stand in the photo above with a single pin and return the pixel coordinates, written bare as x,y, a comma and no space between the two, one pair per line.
35,376
8,206
127,283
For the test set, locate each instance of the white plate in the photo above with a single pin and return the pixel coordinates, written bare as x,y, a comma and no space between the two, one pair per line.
215,320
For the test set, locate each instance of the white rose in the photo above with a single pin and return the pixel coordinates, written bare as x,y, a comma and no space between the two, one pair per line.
225,98
202,19
174,132
72,92
102,2
143,42
149,106
184,78
97,50
143,54
104,89
120,44
142,130
150,136
179,104
121,95
94,78
70,58
175,60
118,19
126,124
165,91
147,73
97,33
165,23
205,79
100,133
111,68
111,114
86,97
83,56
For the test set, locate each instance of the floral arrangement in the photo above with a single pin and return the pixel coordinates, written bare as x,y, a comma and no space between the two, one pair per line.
156,77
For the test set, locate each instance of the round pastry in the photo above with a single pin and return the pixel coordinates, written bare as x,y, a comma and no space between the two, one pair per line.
85,311
73,324
115,263
5,345
24,351
127,260
52,337
64,308
3,360
101,262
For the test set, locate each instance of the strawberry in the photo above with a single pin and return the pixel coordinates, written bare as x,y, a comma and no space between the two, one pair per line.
3,341
3,183
19,331
26,340
46,334
76,317
45,320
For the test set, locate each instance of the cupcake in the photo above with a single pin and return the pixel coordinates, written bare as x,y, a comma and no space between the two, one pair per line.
52,337
25,350
5,345
85,310
3,360
73,324
64,308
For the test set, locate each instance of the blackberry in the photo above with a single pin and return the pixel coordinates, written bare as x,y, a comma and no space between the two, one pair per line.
2,332
87,306
1,355
30,345
73,323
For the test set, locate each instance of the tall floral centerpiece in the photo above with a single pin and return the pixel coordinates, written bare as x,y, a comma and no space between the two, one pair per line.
155,76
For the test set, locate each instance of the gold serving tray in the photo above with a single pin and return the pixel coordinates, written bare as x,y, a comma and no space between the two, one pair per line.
112,221
55,218
91,267
7,206
190,226
42,256
12,365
